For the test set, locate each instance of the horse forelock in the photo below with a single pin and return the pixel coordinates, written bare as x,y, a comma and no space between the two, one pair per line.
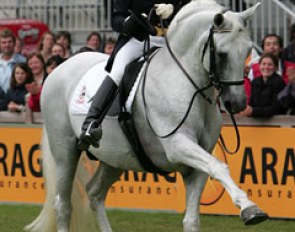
236,32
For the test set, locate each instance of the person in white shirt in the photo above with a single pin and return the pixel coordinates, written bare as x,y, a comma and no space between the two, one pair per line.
8,58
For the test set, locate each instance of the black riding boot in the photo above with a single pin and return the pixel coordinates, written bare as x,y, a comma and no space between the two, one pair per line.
91,128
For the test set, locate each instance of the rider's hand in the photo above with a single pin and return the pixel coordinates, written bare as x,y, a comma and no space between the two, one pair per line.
131,27
164,10
134,26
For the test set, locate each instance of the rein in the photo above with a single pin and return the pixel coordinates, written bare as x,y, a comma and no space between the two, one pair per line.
214,82
218,84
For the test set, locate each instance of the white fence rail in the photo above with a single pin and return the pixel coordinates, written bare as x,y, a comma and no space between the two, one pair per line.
71,15
94,15
273,16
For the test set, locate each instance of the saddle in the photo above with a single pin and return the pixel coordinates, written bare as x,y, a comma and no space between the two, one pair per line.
125,118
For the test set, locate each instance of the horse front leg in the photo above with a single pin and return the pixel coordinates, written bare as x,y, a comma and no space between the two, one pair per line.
97,190
182,149
194,185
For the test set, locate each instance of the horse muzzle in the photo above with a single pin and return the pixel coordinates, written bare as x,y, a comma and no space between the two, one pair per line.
234,105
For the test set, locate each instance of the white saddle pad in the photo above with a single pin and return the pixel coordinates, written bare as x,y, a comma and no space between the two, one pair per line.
87,87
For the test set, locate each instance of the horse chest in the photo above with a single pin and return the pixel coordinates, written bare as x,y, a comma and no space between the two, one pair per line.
209,131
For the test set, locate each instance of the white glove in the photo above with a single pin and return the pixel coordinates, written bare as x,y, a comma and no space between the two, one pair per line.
164,10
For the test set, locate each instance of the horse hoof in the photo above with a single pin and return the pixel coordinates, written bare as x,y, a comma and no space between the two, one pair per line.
252,215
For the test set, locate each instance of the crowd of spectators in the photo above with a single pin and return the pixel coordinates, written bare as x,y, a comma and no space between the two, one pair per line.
23,74
269,77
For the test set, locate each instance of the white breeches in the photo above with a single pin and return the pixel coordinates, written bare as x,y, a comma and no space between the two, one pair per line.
129,52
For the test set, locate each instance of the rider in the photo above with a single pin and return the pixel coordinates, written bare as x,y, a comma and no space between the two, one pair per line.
127,19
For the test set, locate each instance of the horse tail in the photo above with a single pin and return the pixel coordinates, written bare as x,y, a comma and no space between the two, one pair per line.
46,222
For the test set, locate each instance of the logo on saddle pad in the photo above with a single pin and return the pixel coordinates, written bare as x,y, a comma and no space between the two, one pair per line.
81,99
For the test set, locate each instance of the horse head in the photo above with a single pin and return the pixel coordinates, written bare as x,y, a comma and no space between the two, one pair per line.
227,54
219,46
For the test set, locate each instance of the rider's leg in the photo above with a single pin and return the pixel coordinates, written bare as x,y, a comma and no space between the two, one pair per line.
104,97
101,102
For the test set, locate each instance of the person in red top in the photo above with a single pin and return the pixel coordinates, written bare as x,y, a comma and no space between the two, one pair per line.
272,43
263,101
37,65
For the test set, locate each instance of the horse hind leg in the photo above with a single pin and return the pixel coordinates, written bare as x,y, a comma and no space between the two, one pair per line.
66,159
97,190
194,185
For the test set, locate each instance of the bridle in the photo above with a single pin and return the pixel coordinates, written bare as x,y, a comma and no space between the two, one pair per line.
214,78
214,81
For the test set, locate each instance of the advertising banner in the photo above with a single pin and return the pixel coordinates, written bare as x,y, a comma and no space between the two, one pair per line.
264,168
21,178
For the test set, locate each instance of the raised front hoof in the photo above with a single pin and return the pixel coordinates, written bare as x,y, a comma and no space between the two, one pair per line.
252,215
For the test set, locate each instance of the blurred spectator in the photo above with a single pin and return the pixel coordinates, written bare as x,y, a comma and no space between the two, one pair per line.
94,41
84,49
3,100
45,45
287,98
247,87
37,65
265,89
247,82
58,50
109,45
289,51
64,38
19,47
21,75
52,63
8,59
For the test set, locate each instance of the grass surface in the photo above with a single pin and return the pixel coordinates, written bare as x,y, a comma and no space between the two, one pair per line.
14,217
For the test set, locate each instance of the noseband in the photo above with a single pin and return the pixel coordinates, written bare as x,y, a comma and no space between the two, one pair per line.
214,79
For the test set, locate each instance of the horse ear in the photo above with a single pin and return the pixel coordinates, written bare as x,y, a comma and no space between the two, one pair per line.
218,19
245,15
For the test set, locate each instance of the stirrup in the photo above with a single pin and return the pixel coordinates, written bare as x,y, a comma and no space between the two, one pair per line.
90,137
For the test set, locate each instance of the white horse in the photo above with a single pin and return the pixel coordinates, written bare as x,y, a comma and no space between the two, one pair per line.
209,46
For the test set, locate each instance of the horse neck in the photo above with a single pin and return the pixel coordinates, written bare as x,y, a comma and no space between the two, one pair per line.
186,42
